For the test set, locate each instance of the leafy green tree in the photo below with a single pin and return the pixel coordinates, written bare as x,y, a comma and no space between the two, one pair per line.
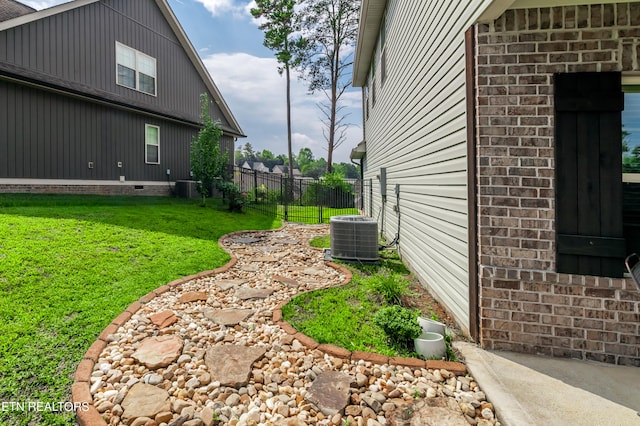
348,170
279,24
208,164
315,169
266,155
249,154
305,157
331,29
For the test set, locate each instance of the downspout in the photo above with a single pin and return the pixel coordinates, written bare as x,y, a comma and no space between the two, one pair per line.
472,197
362,159
363,133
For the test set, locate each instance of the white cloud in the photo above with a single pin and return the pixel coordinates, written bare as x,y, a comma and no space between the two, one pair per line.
217,7
247,10
43,4
221,7
256,94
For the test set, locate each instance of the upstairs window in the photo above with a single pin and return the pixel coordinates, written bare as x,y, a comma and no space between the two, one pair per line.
135,70
383,52
152,144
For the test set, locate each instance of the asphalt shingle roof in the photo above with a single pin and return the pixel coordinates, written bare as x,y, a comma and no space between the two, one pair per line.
10,9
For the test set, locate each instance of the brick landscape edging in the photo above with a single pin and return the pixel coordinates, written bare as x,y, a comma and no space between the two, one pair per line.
456,368
80,390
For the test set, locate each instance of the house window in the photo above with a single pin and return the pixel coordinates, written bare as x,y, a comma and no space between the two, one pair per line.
372,82
631,163
152,144
366,100
383,52
135,70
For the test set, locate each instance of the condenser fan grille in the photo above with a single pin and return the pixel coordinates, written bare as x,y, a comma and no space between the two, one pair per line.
354,238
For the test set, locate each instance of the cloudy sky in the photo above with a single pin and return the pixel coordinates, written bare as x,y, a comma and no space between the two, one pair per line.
230,45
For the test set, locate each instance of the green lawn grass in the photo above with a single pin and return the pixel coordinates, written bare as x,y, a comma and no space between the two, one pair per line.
70,264
343,316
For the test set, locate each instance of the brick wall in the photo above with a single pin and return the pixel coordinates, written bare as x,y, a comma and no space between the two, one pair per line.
97,189
524,304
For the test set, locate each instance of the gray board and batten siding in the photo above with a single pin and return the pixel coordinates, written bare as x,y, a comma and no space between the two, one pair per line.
71,133
61,108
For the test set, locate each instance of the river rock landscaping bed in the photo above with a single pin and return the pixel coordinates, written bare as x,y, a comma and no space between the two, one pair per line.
212,349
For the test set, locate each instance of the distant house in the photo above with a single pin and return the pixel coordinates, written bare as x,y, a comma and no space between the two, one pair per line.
278,169
493,144
246,166
258,166
100,97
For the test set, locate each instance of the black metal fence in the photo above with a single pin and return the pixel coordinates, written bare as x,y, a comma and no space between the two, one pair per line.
299,199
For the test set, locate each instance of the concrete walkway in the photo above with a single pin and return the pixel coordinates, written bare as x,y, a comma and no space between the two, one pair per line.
535,390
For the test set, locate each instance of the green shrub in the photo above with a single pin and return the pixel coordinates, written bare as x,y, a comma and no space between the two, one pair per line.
332,191
233,195
390,285
400,324
336,180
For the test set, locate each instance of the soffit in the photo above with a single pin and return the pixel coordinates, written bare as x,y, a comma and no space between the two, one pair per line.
371,13
498,7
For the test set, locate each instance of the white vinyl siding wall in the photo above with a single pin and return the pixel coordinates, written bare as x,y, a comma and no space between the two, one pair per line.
417,130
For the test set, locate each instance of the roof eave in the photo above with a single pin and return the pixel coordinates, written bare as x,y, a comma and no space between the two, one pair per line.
202,70
371,13
359,151
494,10
25,19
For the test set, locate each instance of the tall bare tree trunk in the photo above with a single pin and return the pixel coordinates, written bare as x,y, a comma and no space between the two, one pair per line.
332,125
286,67
289,186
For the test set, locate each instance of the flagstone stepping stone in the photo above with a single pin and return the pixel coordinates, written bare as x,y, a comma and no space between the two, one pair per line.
245,240
268,248
314,271
228,317
159,351
231,364
244,252
289,282
428,412
288,242
330,392
145,401
266,259
193,296
281,235
246,293
163,319
249,268
225,285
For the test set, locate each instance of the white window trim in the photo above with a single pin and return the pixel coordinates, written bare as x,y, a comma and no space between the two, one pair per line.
146,144
136,79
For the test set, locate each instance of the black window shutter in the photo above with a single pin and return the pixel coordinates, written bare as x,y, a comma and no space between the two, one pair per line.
588,138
